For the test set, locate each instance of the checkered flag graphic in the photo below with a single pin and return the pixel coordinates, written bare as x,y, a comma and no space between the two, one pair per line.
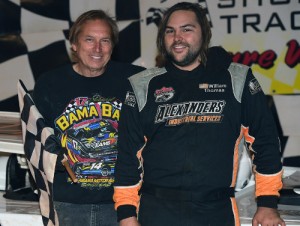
71,107
41,150
154,15
117,104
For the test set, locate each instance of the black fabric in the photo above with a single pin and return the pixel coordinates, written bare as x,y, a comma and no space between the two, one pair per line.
218,58
25,194
269,201
126,211
162,212
59,166
289,197
15,175
15,187
180,195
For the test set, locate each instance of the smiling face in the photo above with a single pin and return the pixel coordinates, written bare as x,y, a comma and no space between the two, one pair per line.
183,39
94,48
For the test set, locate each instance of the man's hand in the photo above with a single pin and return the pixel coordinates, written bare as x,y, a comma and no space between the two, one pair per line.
265,216
130,221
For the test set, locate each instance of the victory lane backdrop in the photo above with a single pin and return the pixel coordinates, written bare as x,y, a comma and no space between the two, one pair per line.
34,39
261,34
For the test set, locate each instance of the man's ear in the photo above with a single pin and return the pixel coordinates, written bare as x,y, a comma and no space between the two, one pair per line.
74,47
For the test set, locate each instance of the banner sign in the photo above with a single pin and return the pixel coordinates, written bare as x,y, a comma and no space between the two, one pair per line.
263,34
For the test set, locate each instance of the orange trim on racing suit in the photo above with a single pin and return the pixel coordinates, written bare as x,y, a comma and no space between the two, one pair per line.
266,184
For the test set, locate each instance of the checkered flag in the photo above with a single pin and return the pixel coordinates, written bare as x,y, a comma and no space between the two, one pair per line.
154,15
41,151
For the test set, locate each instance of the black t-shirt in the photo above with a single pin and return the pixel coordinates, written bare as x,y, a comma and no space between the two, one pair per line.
85,112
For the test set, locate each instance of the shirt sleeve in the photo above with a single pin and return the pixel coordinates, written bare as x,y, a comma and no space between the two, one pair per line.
262,140
129,166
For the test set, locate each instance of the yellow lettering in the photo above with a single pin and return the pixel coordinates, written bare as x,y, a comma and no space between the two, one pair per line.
116,114
62,123
106,110
93,111
72,118
82,113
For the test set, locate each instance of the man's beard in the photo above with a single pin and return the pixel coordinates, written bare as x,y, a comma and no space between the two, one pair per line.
190,57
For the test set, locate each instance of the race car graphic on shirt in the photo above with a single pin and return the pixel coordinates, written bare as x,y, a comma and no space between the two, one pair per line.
105,167
94,140
89,132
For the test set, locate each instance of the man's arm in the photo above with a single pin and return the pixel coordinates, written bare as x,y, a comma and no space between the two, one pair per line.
129,166
262,140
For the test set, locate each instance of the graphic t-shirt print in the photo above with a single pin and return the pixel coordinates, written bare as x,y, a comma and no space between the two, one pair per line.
89,132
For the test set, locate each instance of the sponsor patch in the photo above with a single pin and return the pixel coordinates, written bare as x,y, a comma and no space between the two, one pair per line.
212,88
254,86
191,112
164,94
130,99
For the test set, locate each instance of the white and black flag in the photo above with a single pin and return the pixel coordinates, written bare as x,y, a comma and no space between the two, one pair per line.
41,149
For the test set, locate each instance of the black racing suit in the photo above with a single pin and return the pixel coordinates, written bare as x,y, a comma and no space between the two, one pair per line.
182,131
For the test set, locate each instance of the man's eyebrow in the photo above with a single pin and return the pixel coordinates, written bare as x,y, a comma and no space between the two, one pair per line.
182,26
187,25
